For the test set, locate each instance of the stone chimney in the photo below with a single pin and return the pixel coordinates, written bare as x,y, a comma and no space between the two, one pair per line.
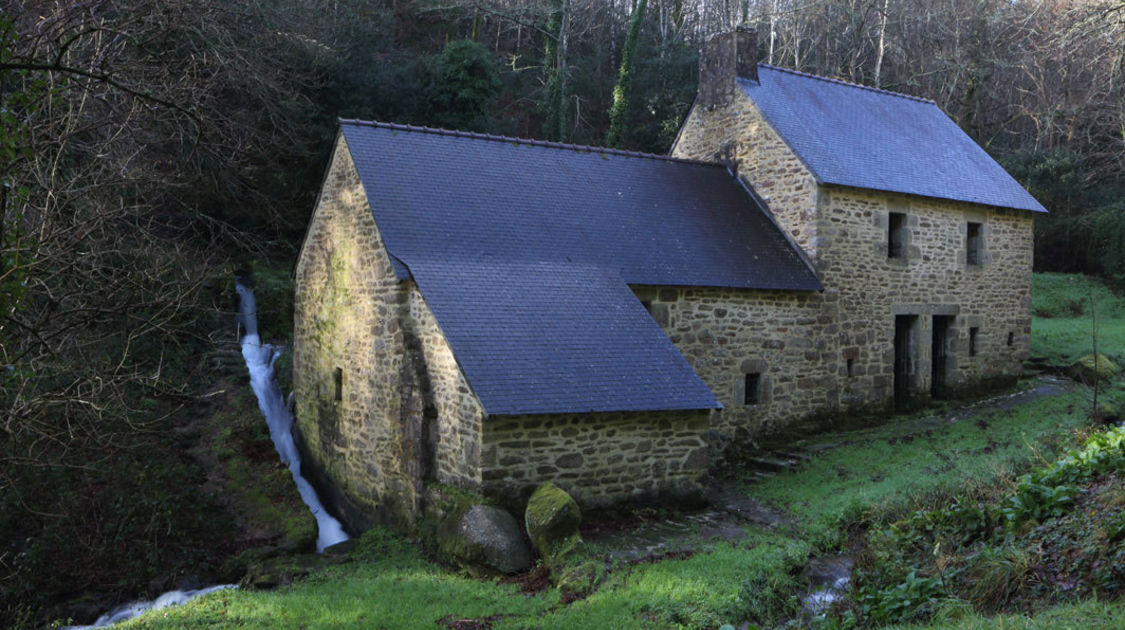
723,58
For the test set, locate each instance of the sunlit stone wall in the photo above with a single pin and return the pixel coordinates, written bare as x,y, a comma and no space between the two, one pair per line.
599,458
833,352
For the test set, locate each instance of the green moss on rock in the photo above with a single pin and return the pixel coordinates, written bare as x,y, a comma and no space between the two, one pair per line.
1089,368
552,518
577,581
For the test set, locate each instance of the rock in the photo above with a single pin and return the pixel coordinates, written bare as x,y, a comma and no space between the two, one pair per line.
577,581
552,518
281,570
485,537
341,548
1086,369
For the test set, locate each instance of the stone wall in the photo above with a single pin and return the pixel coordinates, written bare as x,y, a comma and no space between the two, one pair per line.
833,352
348,349
726,334
740,135
456,441
599,458
381,404
933,278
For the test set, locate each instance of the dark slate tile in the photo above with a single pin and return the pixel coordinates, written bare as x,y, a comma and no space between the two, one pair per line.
654,220
856,136
542,337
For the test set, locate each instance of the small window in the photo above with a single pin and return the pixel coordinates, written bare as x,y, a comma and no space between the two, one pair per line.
974,243
896,235
973,341
851,367
753,392
1011,338
338,383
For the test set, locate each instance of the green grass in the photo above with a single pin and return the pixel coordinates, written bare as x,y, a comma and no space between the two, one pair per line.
1087,615
1063,306
754,580
387,585
1069,295
896,467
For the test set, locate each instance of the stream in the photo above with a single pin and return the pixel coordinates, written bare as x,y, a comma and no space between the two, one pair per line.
260,359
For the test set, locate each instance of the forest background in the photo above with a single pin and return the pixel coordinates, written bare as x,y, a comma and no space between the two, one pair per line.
150,147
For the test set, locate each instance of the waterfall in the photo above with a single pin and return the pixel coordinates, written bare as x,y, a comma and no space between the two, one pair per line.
260,359
259,362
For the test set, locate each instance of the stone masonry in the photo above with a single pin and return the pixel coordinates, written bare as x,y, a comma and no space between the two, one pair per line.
923,297
600,458
846,334
350,354
383,408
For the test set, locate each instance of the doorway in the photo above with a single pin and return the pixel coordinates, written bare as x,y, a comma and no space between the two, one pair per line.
939,354
905,353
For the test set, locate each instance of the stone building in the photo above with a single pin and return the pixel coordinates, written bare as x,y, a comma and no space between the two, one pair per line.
491,313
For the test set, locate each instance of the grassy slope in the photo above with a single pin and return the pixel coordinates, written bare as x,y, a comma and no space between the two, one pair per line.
1062,326
898,467
874,474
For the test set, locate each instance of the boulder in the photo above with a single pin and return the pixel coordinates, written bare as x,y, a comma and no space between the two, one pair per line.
552,518
1086,369
577,581
485,539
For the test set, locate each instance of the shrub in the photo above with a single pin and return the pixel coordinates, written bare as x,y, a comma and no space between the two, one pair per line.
914,599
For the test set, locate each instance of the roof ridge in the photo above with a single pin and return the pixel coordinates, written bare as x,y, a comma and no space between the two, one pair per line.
849,84
583,148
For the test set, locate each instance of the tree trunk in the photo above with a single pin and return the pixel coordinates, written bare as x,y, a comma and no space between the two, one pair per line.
554,66
625,80
881,45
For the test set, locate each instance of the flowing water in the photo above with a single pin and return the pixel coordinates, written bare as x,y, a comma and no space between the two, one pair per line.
125,612
260,360
828,578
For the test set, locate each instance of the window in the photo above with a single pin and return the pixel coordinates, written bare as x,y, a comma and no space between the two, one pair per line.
896,235
974,243
1011,338
338,383
753,393
851,367
973,341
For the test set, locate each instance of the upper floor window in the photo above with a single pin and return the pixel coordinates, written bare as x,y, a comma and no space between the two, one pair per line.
974,243
896,235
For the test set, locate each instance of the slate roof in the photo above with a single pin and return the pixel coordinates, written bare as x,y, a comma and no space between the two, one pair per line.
655,220
547,337
852,135
524,251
